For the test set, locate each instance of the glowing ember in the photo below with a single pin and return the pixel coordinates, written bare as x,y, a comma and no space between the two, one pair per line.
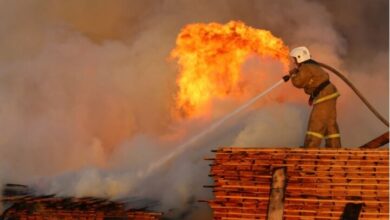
210,58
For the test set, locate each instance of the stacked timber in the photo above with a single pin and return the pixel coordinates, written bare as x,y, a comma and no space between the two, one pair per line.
321,182
51,207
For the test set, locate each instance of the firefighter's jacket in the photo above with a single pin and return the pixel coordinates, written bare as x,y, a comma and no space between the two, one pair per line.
323,119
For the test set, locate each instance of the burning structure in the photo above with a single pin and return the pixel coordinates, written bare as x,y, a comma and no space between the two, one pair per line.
312,183
21,204
211,56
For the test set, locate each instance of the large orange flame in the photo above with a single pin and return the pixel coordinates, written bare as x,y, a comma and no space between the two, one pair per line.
210,58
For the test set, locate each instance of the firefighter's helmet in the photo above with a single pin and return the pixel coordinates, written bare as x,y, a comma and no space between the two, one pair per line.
301,54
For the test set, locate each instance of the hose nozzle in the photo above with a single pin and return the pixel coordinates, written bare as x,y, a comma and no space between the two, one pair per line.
286,78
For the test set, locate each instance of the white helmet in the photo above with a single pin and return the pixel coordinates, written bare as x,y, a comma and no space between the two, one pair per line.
301,54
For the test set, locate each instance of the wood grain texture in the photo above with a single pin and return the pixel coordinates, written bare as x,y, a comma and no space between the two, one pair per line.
320,182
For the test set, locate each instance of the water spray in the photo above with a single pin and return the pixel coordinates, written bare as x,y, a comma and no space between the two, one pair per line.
154,166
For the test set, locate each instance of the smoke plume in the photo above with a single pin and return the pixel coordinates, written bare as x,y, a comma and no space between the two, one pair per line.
87,90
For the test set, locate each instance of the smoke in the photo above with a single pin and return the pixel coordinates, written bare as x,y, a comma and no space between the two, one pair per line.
86,91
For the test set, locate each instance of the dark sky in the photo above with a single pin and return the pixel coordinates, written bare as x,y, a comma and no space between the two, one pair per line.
365,25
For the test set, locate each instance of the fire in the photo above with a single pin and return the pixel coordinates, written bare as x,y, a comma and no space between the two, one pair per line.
210,57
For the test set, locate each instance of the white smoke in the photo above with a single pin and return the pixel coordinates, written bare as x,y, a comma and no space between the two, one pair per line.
86,91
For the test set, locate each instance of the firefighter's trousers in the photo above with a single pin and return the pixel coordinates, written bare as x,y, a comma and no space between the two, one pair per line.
323,123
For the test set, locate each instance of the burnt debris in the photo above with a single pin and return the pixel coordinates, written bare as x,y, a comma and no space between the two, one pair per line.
20,202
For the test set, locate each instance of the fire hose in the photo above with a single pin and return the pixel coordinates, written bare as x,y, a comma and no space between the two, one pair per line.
153,167
357,92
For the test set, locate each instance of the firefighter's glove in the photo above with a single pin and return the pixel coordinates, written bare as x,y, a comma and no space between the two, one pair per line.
293,72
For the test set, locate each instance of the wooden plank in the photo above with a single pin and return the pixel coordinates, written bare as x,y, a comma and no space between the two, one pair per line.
281,155
292,159
301,172
336,201
300,165
299,149
301,188
276,199
377,142
340,211
293,177
296,184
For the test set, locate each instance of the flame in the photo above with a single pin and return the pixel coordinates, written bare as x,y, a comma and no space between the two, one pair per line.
210,58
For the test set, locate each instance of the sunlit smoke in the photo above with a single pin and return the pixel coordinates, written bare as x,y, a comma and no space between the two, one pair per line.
205,131
87,92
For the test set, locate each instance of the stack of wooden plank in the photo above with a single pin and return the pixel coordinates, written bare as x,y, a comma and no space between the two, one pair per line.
51,207
141,215
320,182
71,215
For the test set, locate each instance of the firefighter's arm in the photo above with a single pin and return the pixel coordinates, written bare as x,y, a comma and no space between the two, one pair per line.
300,77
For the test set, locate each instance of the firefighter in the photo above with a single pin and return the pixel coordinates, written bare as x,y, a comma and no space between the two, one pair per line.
323,97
